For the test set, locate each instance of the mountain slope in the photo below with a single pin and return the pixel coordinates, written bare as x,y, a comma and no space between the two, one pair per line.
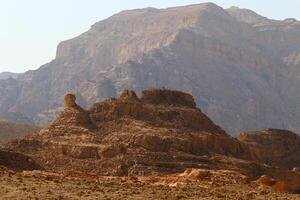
9,131
6,75
241,68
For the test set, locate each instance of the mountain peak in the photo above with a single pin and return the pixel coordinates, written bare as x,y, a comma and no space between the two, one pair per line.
246,15
200,48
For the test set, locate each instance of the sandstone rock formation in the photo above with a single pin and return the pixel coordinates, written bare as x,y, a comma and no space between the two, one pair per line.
70,101
160,132
242,68
273,146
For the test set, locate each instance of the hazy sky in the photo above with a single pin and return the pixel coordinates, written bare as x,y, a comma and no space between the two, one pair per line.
31,29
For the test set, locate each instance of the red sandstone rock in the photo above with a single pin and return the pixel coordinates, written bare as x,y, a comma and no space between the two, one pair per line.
266,180
273,147
70,101
161,133
280,186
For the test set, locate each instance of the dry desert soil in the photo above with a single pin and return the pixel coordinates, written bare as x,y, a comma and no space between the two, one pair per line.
38,185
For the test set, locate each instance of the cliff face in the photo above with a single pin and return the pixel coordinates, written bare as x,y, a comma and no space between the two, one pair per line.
128,135
241,68
273,146
159,133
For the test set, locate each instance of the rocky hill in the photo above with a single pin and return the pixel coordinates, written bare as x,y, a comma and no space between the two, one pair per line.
9,130
127,135
273,146
159,133
242,68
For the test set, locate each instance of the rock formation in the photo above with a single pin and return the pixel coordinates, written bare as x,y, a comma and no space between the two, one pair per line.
160,132
242,68
17,161
70,101
273,146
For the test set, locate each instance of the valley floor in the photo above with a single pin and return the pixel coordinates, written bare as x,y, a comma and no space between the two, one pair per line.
44,186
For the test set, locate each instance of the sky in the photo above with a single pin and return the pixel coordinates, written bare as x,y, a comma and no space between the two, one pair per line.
30,30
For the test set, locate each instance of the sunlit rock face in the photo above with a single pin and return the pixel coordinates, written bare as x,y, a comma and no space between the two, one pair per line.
241,68
160,132
273,147
129,132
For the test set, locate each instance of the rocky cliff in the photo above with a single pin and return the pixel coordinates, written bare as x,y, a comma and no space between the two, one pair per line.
128,135
242,68
273,147
161,132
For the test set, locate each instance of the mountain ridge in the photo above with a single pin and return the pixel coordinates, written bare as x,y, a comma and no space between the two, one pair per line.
6,75
244,76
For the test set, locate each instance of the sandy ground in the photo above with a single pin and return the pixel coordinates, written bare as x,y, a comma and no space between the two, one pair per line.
29,186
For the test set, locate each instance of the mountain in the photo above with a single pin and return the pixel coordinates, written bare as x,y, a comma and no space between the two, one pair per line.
127,131
161,132
6,75
242,68
9,130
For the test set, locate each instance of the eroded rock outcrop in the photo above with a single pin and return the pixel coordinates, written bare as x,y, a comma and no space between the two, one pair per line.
160,133
242,68
273,146
17,161
73,115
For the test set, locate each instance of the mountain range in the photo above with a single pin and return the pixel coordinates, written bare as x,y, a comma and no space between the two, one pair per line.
243,69
7,75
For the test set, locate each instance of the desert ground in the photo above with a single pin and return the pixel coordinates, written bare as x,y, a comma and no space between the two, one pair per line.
41,185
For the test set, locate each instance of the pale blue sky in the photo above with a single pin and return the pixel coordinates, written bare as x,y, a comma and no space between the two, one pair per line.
31,29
